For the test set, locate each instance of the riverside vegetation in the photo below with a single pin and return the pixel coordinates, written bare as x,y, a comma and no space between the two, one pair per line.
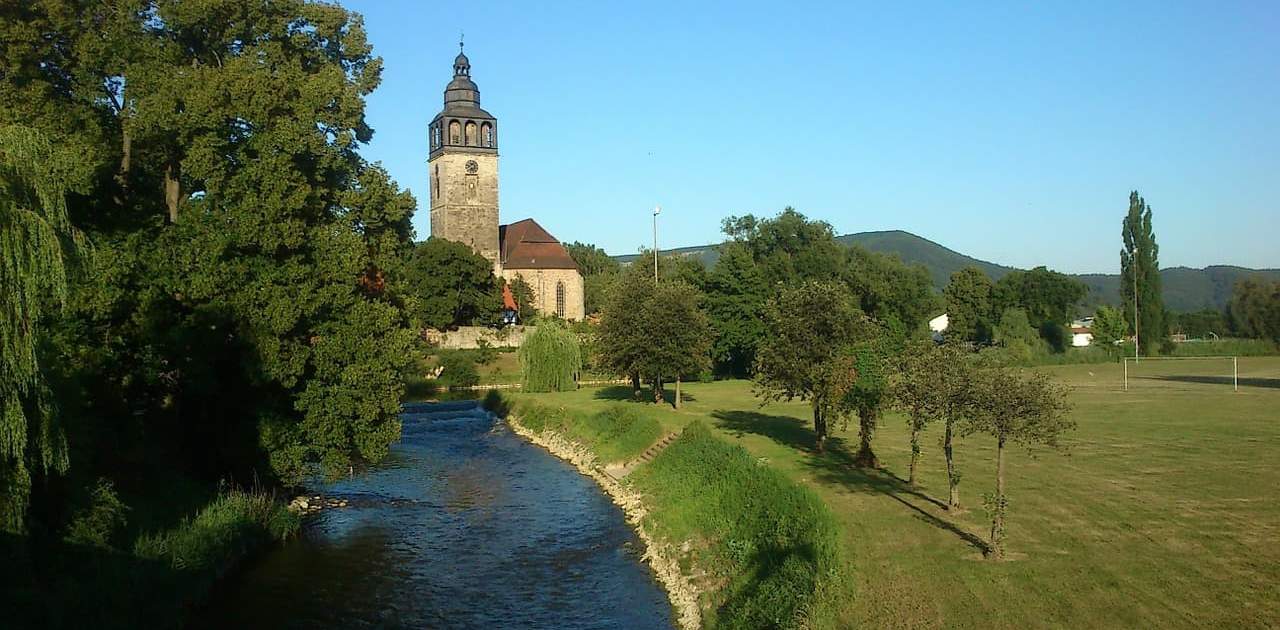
1161,514
760,550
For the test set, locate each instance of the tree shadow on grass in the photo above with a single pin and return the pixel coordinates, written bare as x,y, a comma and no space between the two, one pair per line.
626,394
1273,383
836,466
616,392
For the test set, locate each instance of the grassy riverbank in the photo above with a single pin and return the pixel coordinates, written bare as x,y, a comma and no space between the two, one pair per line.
762,550
1161,515
148,579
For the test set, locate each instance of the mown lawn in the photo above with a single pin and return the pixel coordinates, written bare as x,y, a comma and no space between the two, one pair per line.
1164,513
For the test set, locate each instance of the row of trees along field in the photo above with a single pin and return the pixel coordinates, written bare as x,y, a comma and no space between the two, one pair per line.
1024,315
1025,309
204,281
841,330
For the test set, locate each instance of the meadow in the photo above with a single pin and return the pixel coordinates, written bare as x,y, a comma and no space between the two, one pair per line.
1162,512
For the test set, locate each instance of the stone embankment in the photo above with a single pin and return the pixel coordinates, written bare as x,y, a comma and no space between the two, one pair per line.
660,556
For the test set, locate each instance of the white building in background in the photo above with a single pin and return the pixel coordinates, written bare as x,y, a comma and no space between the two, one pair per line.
1081,336
938,325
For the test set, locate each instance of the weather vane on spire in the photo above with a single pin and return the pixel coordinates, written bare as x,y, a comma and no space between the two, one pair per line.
461,34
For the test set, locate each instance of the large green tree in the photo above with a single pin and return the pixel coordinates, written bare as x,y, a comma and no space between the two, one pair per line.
620,340
969,306
35,238
890,290
1199,324
1108,327
735,299
454,286
679,336
810,353
598,268
1047,297
248,304
788,248
1140,272
760,257
1255,309
591,260
656,331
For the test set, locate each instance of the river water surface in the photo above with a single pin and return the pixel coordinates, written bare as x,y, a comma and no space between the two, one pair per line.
464,525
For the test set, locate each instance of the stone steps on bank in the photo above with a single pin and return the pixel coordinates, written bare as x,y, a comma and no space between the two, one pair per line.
620,471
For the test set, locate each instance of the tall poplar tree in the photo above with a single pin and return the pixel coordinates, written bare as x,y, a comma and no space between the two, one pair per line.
1140,272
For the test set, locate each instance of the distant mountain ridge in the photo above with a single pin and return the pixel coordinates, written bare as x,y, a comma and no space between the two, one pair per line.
1185,288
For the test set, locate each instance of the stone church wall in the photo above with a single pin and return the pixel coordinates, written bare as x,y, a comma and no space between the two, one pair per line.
543,282
469,337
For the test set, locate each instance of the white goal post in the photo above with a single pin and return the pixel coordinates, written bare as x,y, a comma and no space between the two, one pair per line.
1235,366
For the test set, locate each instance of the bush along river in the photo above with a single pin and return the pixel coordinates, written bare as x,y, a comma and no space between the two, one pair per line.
464,525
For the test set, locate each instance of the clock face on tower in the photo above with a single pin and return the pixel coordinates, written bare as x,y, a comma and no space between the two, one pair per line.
472,167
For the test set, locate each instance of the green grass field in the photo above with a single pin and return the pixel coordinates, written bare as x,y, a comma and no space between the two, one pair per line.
1164,513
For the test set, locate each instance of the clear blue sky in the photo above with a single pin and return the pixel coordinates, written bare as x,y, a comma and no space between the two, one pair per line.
1010,133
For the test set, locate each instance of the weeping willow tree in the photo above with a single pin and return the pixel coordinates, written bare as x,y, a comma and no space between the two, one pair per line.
550,358
34,236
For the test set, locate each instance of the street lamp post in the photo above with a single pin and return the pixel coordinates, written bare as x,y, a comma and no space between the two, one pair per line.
656,211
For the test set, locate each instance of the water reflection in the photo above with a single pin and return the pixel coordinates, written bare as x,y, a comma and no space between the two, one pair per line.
463,526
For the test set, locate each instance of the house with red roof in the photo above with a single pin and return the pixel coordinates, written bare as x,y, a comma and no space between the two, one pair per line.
529,252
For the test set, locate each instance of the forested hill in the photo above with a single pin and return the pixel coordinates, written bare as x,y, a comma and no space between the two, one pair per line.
1185,289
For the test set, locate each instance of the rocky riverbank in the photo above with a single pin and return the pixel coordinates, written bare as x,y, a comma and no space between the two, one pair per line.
659,556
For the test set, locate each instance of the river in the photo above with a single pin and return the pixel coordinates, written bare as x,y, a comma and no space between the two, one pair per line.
464,525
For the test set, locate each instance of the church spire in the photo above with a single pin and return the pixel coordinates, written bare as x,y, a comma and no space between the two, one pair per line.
461,65
463,123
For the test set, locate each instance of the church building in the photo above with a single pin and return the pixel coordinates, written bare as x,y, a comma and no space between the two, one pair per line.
463,165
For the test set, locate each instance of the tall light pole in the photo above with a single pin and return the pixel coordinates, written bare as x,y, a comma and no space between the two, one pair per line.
656,211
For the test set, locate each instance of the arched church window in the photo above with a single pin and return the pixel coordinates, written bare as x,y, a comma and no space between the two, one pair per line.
455,132
471,134
560,300
487,134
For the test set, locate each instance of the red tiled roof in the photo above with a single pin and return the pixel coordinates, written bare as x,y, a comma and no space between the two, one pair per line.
526,245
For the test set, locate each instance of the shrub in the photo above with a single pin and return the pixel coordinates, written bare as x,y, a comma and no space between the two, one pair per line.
1056,335
484,353
98,523
220,533
496,403
459,369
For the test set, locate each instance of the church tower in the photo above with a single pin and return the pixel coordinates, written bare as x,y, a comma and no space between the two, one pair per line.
463,165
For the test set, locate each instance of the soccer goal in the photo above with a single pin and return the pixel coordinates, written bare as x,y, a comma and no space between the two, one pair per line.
1213,370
